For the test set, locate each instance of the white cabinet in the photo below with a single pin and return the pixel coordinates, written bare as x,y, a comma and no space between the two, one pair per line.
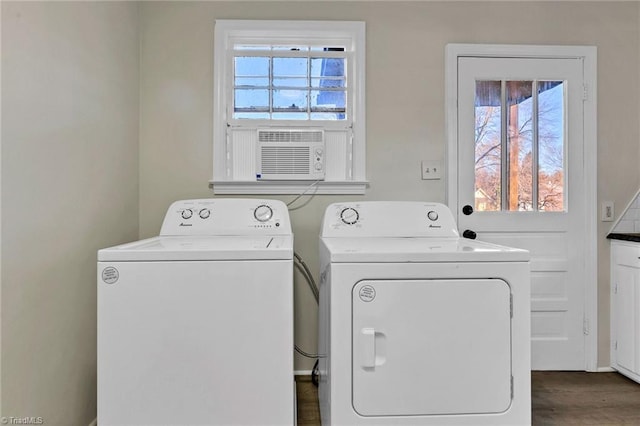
625,308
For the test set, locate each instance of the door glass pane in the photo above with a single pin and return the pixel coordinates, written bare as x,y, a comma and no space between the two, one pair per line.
488,146
519,146
551,122
519,133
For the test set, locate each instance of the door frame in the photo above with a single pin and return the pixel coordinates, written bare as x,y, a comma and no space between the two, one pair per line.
588,54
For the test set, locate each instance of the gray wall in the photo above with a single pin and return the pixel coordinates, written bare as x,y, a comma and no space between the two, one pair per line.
69,187
405,102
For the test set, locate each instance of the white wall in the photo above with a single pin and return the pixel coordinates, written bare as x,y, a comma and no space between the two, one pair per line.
405,102
69,186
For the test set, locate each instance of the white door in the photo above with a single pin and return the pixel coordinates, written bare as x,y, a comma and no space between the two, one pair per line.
431,347
520,183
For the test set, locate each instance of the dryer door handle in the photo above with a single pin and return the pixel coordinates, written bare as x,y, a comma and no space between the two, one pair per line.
368,347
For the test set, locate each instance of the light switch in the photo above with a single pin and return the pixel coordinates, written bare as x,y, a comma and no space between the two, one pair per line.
431,170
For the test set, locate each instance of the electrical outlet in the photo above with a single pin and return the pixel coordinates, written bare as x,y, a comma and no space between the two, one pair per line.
607,213
431,170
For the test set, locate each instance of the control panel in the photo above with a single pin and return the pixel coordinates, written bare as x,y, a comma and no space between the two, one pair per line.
220,216
388,219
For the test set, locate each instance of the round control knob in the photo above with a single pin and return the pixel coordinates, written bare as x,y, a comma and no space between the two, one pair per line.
187,213
318,152
349,216
204,213
432,215
263,213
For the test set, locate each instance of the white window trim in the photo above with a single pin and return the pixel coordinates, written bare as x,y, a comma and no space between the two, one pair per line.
225,30
589,56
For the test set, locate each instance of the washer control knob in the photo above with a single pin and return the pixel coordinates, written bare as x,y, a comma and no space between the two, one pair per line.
187,213
263,213
349,216
204,213
432,215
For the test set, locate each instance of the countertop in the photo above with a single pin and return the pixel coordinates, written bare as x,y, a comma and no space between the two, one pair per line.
635,237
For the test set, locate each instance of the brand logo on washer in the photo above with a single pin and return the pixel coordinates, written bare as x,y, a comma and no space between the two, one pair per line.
367,293
110,275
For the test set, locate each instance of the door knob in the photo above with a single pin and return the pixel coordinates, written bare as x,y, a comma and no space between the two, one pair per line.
467,210
468,233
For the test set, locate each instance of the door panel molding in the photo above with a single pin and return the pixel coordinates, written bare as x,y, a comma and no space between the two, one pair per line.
588,54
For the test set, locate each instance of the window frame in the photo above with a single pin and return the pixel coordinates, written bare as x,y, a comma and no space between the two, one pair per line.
350,34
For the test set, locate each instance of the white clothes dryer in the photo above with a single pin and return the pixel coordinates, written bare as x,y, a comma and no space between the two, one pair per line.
418,326
195,326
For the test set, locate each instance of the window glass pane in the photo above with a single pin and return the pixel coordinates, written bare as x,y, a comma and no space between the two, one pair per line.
292,48
327,82
252,81
321,67
326,116
251,47
251,66
331,100
291,82
519,135
290,116
488,149
290,100
290,67
251,100
252,115
551,146
327,49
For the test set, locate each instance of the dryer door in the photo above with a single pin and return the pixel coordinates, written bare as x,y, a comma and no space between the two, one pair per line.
431,347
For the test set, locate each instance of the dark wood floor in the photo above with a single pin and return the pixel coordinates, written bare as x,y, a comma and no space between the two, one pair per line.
558,398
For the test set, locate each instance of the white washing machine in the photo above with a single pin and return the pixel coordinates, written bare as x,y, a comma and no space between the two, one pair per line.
419,326
195,326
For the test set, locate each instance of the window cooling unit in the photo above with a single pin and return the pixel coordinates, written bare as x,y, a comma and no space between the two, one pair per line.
290,154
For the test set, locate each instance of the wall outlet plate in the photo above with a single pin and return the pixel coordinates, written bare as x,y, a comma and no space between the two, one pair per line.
607,212
431,170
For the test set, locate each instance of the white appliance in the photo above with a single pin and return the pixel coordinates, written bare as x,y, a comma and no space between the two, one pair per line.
290,154
195,326
419,326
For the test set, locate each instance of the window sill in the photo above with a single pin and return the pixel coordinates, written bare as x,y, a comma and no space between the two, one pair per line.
288,187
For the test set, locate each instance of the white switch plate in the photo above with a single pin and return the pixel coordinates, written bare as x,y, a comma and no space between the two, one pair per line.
607,213
431,170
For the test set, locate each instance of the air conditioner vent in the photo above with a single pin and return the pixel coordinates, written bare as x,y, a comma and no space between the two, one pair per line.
286,160
308,136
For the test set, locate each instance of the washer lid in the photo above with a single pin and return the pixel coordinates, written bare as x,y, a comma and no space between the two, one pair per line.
202,248
399,250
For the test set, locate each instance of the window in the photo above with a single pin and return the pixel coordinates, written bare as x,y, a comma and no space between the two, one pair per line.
289,83
519,145
289,107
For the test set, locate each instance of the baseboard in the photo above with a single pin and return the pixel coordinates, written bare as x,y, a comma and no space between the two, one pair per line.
94,422
606,370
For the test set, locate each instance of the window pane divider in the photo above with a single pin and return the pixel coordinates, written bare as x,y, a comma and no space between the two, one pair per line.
504,153
535,166
291,54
